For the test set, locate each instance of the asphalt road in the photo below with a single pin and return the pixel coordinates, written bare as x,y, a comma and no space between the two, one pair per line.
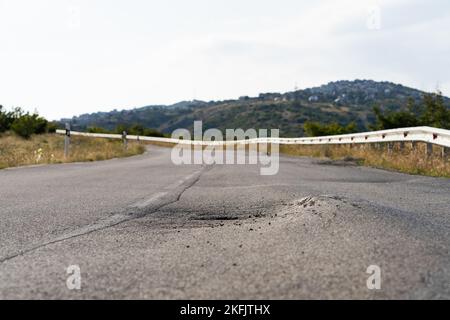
144,228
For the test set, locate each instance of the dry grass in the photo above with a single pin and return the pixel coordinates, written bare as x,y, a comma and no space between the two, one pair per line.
49,148
407,159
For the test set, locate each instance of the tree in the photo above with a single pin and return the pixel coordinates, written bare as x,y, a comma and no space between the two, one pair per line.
28,124
138,130
95,129
6,119
393,120
52,127
153,133
432,112
121,128
315,129
436,114
23,123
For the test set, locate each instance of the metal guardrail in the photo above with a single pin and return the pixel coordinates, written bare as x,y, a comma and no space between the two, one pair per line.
417,134
431,135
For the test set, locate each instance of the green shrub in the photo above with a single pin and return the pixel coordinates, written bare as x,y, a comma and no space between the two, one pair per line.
23,123
28,124
432,112
52,127
6,119
97,130
315,129
138,130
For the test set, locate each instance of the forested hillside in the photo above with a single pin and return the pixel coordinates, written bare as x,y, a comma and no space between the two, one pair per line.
343,102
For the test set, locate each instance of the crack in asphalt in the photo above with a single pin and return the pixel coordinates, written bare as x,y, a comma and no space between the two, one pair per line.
166,199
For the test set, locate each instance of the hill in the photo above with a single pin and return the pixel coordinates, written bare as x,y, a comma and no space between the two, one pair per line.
342,101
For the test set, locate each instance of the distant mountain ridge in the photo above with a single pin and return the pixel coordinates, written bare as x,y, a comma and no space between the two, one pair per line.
341,101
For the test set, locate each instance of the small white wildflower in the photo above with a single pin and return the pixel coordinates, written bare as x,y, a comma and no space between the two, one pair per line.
38,154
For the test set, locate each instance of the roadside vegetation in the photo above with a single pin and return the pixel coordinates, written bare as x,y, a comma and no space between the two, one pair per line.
49,148
29,139
407,160
24,124
316,129
431,111
136,129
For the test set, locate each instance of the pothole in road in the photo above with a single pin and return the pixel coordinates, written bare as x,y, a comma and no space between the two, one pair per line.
317,210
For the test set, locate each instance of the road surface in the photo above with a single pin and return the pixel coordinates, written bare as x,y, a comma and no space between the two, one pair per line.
144,228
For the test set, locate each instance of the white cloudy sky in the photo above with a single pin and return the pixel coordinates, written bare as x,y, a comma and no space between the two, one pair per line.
67,57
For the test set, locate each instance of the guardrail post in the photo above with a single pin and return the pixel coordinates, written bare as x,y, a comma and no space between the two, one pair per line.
390,147
402,146
124,140
445,152
67,141
377,146
429,149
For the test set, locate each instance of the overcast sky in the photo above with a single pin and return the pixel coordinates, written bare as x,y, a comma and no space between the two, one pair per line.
67,57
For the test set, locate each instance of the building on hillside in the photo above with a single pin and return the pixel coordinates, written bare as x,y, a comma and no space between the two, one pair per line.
313,99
